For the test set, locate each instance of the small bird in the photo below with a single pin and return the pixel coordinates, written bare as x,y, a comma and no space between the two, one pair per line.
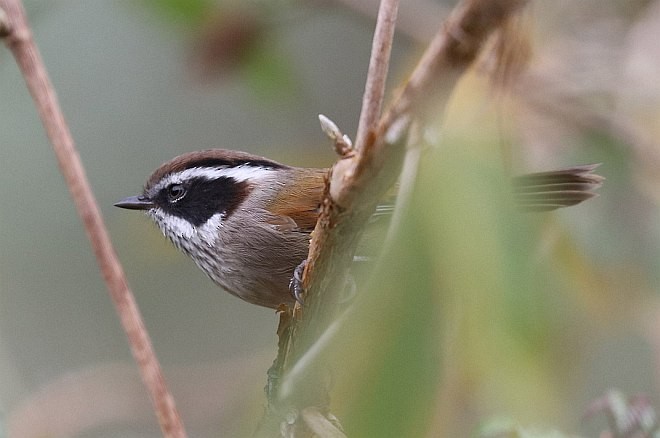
246,220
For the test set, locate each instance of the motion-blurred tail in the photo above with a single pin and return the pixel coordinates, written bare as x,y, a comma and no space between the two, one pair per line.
545,191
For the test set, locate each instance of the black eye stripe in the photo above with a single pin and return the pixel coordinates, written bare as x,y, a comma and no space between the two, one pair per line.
203,198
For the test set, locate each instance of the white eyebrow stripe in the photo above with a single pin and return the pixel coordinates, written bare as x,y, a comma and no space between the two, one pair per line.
240,173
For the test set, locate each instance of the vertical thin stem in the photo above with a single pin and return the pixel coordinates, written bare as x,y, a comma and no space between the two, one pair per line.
19,40
372,100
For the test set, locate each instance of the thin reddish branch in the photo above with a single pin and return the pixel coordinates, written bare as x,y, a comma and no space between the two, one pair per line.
372,100
19,41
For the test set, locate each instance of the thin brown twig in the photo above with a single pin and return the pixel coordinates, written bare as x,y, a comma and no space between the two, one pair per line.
374,91
20,43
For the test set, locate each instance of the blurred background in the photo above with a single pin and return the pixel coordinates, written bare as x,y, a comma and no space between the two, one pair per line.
479,313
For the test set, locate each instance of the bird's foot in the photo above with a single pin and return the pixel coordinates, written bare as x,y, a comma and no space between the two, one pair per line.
296,284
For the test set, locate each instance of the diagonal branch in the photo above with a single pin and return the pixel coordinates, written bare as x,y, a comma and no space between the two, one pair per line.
358,181
18,39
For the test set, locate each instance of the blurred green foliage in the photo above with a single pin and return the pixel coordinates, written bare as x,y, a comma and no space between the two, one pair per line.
268,72
186,12
390,355
233,38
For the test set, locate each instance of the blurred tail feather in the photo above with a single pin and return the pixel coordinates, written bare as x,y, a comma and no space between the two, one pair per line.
545,191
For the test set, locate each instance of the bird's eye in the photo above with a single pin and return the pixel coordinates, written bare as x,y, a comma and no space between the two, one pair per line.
175,192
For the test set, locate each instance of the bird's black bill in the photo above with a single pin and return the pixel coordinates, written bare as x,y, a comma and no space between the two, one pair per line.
135,203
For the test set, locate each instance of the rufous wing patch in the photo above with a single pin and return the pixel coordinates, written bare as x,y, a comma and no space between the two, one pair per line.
300,200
